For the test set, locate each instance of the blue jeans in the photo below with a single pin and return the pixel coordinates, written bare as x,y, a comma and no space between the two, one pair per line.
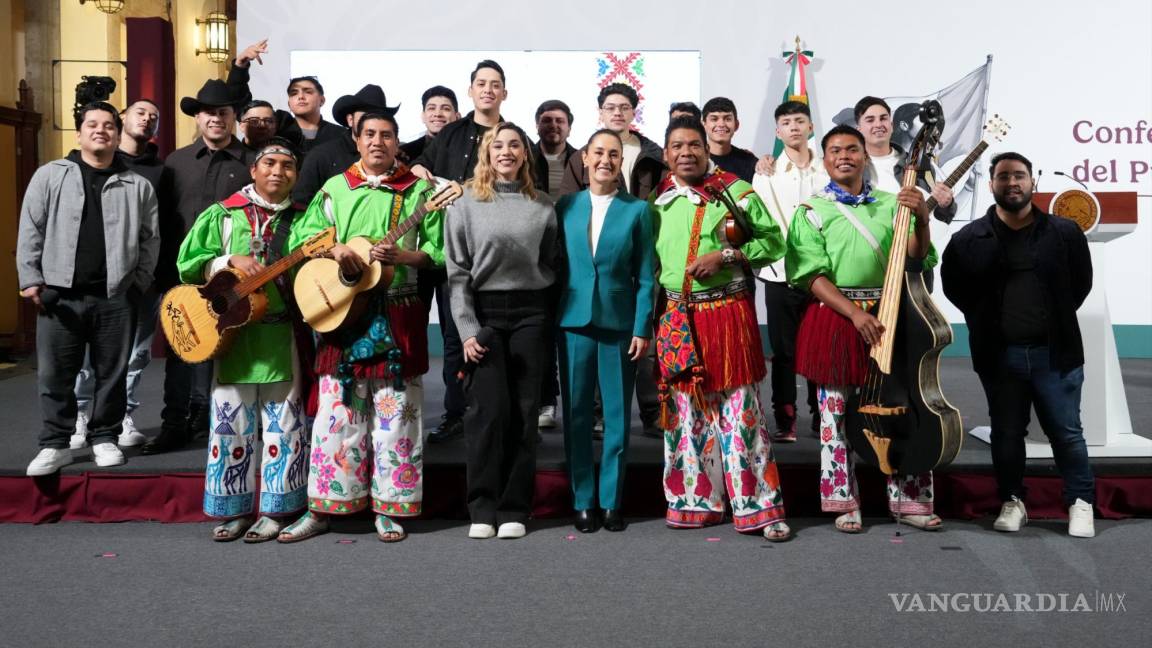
1023,379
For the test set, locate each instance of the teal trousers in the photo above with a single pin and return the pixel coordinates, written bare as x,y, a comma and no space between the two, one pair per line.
591,357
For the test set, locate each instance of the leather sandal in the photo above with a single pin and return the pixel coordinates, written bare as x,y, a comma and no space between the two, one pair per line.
307,526
231,530
923,522
265,529
851,517
387,530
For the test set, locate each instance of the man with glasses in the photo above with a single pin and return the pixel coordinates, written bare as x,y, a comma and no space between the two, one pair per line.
643,158
257,123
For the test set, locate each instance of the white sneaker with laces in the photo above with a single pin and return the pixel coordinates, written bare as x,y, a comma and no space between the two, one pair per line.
1080,522
1012,517
79,439
107,454
481,531
49,461
129,435
547,418
511,531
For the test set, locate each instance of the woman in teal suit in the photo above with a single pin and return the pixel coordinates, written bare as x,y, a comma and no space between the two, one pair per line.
605,320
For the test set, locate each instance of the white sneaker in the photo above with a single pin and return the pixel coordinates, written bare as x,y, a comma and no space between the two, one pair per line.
511,531
481,531
129,435
1080,522
49,461
1012,516
547,418
107,454
79,439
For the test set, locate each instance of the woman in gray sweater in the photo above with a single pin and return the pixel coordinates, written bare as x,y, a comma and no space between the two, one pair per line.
502,251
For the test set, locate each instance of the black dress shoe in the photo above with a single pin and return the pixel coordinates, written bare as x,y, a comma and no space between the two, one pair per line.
166,441
614,521
450,427
587,521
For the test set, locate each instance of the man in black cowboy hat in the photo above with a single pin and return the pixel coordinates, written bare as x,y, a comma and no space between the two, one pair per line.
335,156
209,169
302,123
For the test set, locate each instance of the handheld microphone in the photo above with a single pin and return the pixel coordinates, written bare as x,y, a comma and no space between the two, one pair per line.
49,297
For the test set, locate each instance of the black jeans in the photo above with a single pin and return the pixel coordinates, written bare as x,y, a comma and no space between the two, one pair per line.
785,308
1025,378
185,385
74,324
503,406
431,281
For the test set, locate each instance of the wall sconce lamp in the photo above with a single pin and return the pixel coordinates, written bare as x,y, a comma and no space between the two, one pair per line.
215,37
107,6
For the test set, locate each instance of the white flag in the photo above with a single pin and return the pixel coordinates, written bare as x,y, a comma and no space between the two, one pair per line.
965,109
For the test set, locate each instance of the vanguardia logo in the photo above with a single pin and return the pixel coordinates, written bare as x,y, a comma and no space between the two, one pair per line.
1096,602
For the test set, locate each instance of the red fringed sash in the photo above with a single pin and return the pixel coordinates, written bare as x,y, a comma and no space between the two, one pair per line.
829,349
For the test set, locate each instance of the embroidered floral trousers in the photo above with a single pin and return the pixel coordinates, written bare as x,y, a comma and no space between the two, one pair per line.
907,494
238,412
722,447
377,455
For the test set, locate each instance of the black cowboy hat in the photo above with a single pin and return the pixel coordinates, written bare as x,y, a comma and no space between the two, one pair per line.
213,94
369,98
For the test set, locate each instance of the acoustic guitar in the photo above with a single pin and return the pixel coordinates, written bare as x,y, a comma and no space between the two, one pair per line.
328,298
200,321
900,420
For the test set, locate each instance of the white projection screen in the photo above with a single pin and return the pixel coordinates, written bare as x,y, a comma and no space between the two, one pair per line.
575,77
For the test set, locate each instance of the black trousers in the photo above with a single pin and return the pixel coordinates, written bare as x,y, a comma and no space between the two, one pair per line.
74,324
185,386
785,308
503,405
434,281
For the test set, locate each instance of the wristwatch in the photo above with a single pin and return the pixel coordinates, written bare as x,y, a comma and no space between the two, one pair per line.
728,256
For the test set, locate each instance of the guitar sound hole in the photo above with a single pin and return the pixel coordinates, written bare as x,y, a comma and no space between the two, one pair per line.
350,279
219,304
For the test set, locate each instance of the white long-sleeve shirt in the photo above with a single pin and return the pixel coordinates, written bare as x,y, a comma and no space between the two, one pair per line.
783,192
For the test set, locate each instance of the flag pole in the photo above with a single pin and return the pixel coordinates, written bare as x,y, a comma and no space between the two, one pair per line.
983,119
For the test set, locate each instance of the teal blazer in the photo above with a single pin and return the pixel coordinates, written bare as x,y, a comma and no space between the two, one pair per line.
615,290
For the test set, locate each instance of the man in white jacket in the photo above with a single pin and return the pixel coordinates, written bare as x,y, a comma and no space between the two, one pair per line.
797,175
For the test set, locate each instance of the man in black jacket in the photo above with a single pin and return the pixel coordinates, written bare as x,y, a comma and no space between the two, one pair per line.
452,155
301,124
335,156
1019,274
211,168
438,108
643,166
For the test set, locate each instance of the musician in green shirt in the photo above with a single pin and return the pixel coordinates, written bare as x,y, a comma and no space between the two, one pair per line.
838,247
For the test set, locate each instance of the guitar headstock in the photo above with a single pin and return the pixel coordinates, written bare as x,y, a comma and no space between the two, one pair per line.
319,243
931,117
444,196
996,129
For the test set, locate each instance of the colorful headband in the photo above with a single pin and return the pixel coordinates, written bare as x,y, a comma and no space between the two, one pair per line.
275,148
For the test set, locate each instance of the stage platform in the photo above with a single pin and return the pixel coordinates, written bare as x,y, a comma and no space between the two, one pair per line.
169,487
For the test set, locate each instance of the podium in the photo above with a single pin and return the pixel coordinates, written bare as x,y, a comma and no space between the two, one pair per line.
1103,403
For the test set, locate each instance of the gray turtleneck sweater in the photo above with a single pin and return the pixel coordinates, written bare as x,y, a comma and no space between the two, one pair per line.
508,243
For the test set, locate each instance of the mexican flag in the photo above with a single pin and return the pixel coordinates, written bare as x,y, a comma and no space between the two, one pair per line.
797,89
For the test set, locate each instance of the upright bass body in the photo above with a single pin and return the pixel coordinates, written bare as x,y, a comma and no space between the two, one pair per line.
903,423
